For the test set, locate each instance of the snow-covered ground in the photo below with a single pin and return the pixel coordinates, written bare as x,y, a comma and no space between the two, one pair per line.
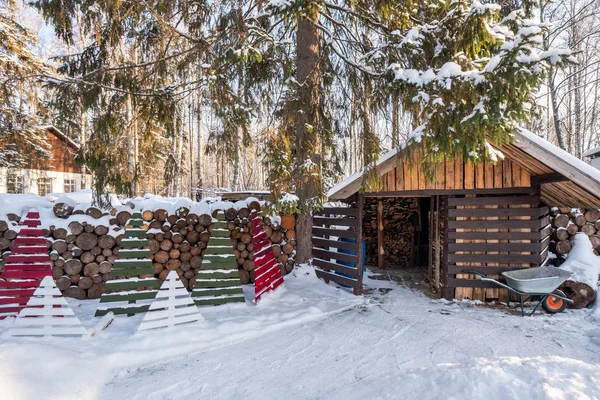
313,341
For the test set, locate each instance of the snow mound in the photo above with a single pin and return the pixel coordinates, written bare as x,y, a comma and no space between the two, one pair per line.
582,261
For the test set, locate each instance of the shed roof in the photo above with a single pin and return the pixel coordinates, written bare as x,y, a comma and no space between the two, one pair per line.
565,180
594,152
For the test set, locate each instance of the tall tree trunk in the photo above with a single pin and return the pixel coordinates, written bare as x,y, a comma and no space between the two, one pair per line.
552,87
199,143
395,121
308,140
130,148
238,134
555,111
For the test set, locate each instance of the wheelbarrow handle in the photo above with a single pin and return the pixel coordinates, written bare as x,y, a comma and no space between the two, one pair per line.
485,278
470,271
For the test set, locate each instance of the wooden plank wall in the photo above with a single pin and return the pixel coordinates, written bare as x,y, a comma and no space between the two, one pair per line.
409,175
492,234
344,268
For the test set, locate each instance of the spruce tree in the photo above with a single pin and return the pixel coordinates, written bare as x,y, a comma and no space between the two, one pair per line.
22,139
469,73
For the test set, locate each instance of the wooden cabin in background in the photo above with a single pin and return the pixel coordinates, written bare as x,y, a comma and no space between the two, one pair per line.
489,217
60,174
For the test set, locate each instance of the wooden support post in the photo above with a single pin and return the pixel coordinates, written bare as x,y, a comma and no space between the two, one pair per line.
438,247
431,229
359,249
380,237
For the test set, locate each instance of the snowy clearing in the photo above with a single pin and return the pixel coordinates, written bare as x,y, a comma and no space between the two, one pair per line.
313,341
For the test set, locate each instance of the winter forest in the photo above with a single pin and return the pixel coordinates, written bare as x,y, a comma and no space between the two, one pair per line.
181,98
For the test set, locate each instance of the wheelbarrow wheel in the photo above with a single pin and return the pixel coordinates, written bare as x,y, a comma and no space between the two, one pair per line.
553,304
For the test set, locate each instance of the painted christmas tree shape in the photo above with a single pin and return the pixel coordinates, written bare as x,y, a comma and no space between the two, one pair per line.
218,280
267,273
133,294
47,314
26,266
173,305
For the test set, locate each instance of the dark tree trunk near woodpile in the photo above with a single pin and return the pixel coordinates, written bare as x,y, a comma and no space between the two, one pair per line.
308,140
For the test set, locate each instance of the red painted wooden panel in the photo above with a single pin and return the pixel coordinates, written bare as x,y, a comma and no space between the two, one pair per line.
20,284
33,215
31,232
15,292
32,223
6,310
267,273
30,241
29,250
16,258
21,300
25,274
28,267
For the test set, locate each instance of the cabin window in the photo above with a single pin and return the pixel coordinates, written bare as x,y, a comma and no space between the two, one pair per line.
44,186
14,183
69,185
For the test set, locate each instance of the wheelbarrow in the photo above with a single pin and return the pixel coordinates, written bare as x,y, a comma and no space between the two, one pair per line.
530,282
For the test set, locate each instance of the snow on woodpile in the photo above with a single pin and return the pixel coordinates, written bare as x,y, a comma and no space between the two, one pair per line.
84,241
582,286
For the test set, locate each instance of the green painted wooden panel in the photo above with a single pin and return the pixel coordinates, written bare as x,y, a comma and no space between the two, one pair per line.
133,244
207,266
130,285
220,233
135,233
217,292
136,223
131,272
218,301
218,250
133,264
218,275
219,240
137,253
220,216
216,284
107,298
122,311
136,215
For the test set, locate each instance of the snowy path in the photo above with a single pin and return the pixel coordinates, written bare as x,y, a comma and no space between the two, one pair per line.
327,345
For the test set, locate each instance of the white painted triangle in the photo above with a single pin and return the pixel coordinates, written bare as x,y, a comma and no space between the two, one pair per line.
47,314
173,305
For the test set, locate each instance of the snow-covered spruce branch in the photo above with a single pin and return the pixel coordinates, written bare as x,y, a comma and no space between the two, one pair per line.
343,57
361,15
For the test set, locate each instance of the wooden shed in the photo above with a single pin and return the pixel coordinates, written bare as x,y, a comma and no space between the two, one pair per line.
489,217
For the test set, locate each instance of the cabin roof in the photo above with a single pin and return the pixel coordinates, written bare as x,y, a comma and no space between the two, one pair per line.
62,137
565,180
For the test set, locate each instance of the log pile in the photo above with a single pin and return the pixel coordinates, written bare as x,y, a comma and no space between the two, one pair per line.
566,222
400,218
83,252
282,235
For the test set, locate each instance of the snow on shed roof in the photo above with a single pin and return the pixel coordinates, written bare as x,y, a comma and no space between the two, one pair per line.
356,178
592,152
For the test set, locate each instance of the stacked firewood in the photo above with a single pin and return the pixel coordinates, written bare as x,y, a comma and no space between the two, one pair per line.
282,236
400,220
176,242
566,222
82,258
83,252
